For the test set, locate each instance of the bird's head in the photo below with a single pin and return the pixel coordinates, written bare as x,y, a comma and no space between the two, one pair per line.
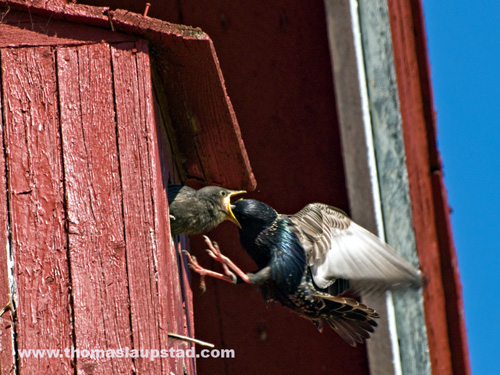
253,214
222,198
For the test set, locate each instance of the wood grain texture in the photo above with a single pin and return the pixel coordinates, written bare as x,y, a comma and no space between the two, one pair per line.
6,319
36,205
202,115
55,9
93,195
174,290
98,200
18,29
133,99
188,65
449,264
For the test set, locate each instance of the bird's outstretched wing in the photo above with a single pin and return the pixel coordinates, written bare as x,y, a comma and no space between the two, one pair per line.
338,248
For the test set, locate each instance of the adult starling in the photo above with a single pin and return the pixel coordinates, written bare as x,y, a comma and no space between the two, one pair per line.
199,211
307,260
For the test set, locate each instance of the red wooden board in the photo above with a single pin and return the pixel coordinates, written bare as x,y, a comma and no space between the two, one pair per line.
154,285
125,284
93,194
36,198
202,114
6,319
277,70
442,295
137,204
19,30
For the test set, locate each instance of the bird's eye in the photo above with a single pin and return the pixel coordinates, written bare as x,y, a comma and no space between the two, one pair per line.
223,193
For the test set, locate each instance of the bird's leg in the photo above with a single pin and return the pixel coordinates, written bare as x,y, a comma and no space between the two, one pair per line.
260,277
214,252
194,265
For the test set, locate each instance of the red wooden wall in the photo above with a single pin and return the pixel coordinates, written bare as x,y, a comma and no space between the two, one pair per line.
275,60
83,190
278,74
443,294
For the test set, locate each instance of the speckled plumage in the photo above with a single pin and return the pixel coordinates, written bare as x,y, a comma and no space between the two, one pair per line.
286,248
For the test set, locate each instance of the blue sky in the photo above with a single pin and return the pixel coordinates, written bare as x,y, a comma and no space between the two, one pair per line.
464,48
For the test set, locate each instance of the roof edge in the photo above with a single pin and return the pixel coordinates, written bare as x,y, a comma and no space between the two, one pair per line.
117,20
202,114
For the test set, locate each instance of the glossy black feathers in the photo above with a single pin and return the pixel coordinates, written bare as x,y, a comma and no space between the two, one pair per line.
319,245
266,237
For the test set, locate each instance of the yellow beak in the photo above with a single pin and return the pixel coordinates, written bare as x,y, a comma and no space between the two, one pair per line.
227,205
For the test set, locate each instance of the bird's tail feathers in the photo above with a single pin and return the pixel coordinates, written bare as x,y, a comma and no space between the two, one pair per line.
352,320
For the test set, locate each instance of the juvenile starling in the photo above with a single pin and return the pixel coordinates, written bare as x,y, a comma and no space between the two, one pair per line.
199,211
307,260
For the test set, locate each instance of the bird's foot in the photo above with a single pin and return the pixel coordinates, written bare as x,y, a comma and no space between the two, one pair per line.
214,252
195,266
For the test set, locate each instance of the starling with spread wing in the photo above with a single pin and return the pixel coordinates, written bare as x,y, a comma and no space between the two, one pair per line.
307,260
199,211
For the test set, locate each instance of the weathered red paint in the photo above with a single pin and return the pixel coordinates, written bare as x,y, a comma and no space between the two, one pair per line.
209,141
133,101
93,197
252,44
6,319
35,191
275,106
89,160
145,259
288,121
38,31
442,295
211,147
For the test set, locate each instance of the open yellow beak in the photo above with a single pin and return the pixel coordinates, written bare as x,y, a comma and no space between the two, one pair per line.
227,205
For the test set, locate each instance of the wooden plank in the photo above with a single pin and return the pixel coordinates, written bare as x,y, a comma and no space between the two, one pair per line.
20,29
174,293
36,206
202,114
56,9
133,109
419,161
93,195
451,276
178,292
451,279
6,320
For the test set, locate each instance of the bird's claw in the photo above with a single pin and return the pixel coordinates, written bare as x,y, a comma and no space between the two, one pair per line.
195,266
214,251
